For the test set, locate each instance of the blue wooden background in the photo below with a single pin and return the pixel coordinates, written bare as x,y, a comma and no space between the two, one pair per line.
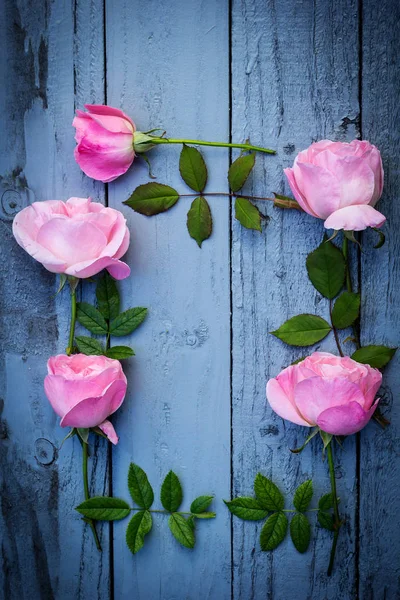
286,72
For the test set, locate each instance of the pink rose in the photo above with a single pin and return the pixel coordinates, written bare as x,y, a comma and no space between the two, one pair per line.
339,182
336,394
78,237
105,142
85,390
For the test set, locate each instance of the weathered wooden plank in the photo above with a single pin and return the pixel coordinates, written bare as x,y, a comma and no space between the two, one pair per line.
52,56
171,70
380,468
294,81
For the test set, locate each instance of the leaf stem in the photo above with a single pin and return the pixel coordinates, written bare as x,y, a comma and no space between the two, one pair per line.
164,512
86,490
337,523
335,333
73,322
163,140
349,286
229,194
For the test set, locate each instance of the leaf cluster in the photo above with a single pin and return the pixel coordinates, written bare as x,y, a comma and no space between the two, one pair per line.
154,198
181,524
105,319
269,503
326,268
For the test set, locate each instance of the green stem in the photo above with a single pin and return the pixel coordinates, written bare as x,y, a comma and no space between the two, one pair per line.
230,194
349,286
164,512
86,490
335,333
336,522
73,322
163,140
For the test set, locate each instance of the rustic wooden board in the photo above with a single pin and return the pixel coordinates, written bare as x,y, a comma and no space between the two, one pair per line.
379,539
171,70
294,81
52,58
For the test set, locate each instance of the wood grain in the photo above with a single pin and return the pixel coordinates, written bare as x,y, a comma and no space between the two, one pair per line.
294,81
53,58
171,70
379,540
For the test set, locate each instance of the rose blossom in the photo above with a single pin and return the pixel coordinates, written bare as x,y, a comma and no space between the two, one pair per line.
339,182
105,142
85,390
78,237
336,394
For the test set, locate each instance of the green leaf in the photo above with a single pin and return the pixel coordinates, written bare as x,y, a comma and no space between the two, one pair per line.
325,519
325,502
303,495
303,330
274,531
171,492
239,171
346,310
140,524
199,220
120,352
89,346
246,508
152,198
107,296
375,356
191,522
247,214
268,494
300,532
139,487
206,515
91,318
128,321
103,508
83,433
201,504
326,269
192,168
182,531
381,240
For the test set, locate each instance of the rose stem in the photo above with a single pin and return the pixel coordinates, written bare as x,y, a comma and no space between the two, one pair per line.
227,194
160,140
349,286
73,321
335,333
337,523
86,488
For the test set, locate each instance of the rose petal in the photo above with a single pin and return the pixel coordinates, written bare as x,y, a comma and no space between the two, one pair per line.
101,109
345,419
72,241
108,429
314,395
297,193
319,187
90,412
281,404
116,268
354,218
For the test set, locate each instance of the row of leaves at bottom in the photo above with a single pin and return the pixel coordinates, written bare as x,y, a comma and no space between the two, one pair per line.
268,504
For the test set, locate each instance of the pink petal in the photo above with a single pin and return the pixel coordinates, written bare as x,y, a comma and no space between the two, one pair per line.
116,268
108,429
90,412
116,236
104,163
314,395
355,218
72,241
346,419
101,109
64,394
281,404
320,188
297,193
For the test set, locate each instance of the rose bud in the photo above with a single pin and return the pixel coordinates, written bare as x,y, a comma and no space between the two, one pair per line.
78,238
85,390
336,394
339,182
105,142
